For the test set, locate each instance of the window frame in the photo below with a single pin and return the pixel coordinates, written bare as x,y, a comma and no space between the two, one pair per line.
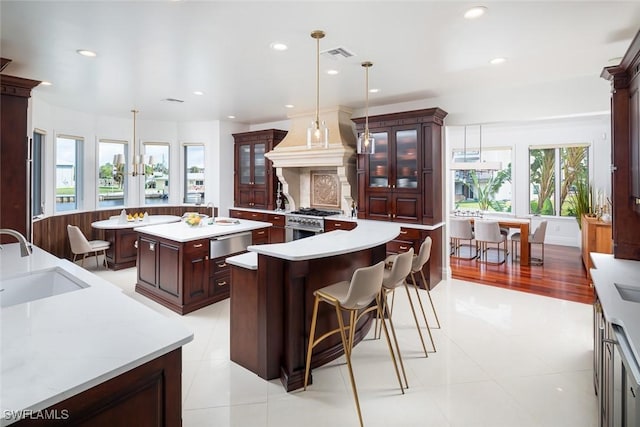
165,200
125,183
78,174
38,187
185,167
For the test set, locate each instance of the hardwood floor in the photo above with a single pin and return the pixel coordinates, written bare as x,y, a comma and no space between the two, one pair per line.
562,275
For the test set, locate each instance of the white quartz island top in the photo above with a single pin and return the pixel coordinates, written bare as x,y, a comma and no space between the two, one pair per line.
367,234
181,232
56,347
608,272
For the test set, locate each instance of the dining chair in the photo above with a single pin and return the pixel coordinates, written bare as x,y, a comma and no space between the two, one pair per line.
356,297
487,233
81,246
536,238
461,230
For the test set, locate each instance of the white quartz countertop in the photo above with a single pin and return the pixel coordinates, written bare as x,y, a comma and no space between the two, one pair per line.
248,260
608,272
118,223
56,347
181,232
367,234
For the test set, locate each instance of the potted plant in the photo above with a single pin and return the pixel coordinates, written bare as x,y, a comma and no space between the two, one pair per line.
581,200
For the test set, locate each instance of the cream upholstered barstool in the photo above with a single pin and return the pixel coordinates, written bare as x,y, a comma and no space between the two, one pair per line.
488,232
461,230
537,238
81,246
418,262
356,298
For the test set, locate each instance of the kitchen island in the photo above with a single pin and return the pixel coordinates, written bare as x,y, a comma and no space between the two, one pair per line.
183,267
272,297
83,350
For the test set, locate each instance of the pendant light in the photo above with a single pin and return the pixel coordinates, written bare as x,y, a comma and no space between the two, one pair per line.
138,164
366,142
317,133
477,165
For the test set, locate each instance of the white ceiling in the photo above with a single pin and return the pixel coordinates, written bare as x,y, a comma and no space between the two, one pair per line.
152,50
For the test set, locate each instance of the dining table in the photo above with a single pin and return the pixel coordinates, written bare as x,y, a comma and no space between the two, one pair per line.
119,232
523,224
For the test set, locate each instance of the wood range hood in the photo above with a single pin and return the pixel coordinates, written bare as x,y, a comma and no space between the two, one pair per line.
319,177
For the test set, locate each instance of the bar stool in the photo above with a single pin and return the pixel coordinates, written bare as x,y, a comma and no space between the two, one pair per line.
394,276
488,232
418,263
460,229
351,297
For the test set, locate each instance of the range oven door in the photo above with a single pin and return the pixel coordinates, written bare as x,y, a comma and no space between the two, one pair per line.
292,233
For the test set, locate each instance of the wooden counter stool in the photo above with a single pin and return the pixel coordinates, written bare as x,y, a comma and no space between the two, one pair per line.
355,298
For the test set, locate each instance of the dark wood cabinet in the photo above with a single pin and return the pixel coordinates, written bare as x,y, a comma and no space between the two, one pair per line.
277,231
625,152
334,224
15,206
274,234
413,238
122,252
196,271
260,236
254,180
402,180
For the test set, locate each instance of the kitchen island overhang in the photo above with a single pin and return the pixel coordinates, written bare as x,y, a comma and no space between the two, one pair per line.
278,298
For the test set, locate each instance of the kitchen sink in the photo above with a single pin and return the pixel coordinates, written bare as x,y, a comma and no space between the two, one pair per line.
38,285
628,293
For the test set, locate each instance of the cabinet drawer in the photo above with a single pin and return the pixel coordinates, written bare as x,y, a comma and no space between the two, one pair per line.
219,284
218,266
256,216
409,234
234,213
260,236
197,246
330,225
276,219
397,246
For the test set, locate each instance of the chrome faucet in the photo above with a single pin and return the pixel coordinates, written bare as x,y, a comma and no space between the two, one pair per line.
25,246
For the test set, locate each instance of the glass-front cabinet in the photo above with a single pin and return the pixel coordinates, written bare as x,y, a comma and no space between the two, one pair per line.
401,181
254,183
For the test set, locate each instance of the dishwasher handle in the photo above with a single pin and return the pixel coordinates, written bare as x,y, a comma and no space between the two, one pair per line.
231,236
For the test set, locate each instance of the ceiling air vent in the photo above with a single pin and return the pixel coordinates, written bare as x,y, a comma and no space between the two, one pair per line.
173,100
337,53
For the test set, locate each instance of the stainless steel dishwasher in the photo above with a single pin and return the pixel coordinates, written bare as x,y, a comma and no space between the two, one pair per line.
229,244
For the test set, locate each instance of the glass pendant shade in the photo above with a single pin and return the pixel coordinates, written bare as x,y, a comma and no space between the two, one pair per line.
318,132
318,135
366,143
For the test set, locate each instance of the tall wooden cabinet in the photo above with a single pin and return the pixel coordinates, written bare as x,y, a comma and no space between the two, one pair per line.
625,152
15,211
596,237
254,180
402,181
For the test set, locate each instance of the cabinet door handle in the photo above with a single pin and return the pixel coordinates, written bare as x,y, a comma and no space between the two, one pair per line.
206,257
394,215
403,231
253,215
389,215
223,265
135,244
152,247
198,245
224,282
393,186
337,224
260,232
403,248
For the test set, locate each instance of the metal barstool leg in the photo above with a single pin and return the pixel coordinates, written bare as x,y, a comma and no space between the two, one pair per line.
415,318
433,307
381,312
424,315
347,352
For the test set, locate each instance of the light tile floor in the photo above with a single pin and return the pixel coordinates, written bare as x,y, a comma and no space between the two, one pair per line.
505,358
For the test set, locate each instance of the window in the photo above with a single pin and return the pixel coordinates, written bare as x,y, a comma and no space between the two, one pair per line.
112,185
551,196
193,173
156,184
37,185
483,189
68,173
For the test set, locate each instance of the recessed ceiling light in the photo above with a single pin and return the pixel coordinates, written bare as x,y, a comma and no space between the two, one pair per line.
374,90
231,117
88,53
279,46
496,61
332,72
45,83
475,12
289,106
198,92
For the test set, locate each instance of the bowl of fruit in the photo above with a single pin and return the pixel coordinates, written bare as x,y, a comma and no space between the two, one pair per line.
193,220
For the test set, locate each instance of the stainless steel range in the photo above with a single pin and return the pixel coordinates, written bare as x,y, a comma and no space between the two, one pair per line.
305,222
